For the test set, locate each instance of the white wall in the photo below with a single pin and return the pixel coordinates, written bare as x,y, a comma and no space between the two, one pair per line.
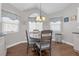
19,36
68,27
0,17
78,15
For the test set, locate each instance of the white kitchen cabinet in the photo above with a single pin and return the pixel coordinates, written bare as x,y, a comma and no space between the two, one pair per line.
76,41
2,46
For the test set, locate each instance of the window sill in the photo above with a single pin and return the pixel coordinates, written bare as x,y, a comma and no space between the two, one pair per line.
10,33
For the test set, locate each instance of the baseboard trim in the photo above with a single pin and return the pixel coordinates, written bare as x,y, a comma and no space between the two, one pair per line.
76,50
67,42
63,41
16,44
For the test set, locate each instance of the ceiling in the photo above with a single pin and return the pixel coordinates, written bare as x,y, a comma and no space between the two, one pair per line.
46,7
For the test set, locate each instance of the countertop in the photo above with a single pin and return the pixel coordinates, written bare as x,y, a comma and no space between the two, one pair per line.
1,34
75,32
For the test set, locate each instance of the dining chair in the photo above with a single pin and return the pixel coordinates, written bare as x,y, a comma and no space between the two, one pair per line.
30,42
45,42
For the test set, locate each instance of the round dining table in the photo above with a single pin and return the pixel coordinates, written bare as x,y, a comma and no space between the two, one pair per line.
35,36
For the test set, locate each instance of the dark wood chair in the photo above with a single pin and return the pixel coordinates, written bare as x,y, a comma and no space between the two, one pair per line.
45,42
30,42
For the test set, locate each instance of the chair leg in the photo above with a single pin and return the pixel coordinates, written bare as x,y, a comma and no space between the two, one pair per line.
27,49
50,51
40,52
34,47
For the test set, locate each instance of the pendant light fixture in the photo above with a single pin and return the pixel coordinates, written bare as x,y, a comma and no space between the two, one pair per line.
40,18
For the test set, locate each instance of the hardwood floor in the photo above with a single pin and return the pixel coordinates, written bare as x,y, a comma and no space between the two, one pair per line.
58,49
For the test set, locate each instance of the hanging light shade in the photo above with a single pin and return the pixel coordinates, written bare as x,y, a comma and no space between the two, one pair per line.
43,18
40,18
37,18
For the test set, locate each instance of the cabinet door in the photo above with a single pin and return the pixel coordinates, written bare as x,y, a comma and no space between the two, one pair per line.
2,47
76,41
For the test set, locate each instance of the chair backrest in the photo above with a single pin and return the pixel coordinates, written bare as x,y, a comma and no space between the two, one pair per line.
27,37
46,35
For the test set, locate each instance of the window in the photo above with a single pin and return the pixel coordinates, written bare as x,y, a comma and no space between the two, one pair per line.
55,26
35,25
9,25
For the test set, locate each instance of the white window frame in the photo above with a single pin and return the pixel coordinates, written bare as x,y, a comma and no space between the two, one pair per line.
6,24
53,26
36,25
